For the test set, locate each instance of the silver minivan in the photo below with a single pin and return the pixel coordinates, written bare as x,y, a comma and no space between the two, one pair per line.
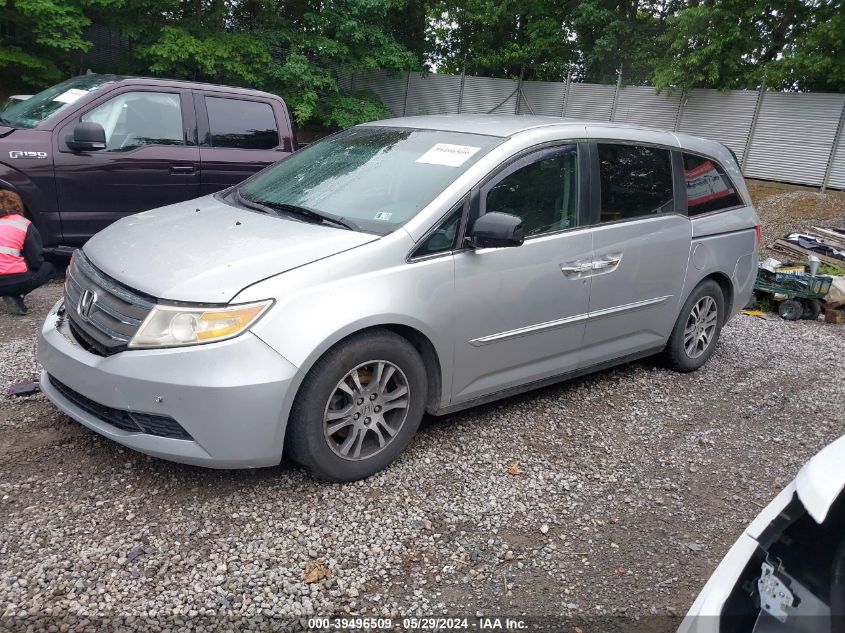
417,264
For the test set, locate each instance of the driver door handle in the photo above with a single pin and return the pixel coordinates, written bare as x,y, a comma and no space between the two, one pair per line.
182,170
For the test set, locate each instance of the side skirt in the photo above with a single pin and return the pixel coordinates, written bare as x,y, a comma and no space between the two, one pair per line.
545,382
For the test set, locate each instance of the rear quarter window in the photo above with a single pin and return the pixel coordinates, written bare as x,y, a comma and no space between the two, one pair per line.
708,187
241,124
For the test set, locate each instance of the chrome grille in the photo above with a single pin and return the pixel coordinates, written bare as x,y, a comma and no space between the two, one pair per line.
104,314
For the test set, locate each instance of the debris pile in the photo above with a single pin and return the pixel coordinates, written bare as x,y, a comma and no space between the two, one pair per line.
828,245
797,287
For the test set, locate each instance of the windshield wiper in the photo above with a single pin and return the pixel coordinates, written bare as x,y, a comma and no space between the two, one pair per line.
250,204
274,208
295,209
311,214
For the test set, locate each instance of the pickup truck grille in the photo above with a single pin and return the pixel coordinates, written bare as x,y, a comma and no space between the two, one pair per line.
103,314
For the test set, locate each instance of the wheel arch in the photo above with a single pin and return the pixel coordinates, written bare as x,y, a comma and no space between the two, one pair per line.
432,359
33,199
726,285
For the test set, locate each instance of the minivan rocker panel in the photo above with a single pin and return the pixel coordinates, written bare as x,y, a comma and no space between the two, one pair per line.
362,329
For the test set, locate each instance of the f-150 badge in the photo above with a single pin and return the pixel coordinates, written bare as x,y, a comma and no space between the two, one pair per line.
23,154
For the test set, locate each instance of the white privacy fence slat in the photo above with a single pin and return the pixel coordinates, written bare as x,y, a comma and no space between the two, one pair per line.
589,101
794,137
543,98
722,116
642,105
433,94
836,167
788,137
483,95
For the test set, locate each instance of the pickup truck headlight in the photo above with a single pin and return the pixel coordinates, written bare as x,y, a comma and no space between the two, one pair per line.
177,326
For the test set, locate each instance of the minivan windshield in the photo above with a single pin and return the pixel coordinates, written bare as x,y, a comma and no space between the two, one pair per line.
29,113
372,178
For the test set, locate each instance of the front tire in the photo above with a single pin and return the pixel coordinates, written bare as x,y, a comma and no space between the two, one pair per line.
359,407
697,329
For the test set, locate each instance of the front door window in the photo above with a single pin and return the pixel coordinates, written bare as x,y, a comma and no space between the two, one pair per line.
134,119
543,193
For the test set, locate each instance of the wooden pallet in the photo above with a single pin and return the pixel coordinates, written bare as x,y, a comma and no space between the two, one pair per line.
797,251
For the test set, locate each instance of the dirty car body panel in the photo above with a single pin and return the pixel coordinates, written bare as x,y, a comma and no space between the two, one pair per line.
591,285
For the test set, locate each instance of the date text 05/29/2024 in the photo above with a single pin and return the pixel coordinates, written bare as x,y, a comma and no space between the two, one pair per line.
416,624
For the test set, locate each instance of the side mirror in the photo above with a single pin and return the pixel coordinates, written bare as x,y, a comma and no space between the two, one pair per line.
87,137
495,229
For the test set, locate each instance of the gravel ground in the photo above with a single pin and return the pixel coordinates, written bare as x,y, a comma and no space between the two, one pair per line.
611,495
785,210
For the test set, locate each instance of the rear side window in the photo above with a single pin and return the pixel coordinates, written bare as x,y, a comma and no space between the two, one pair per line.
636,181
241,124
708,187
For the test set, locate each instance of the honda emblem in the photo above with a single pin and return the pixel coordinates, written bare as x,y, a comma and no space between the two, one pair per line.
86,301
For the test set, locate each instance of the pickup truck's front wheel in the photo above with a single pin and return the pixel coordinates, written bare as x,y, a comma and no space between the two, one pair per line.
358,407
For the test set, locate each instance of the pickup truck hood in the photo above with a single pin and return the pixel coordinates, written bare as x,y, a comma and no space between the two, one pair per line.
5,130
207,251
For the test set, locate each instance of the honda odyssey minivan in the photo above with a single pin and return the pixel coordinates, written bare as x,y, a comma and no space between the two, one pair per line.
321,307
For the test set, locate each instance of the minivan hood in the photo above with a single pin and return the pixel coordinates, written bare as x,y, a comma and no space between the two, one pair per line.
206,251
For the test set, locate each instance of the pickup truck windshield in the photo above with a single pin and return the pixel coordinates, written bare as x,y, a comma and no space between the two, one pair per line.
29,113
374,178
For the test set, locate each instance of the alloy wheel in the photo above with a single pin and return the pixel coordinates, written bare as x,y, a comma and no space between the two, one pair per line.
700,326
366,410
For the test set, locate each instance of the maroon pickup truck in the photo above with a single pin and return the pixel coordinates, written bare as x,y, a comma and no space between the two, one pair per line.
92,149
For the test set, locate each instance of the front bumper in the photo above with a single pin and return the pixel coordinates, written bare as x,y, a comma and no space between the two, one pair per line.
232,397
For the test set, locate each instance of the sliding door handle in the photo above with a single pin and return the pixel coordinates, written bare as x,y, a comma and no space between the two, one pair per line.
575,269
611,261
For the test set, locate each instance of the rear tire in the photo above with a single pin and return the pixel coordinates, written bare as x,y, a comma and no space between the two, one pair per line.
359,407
811,309
697,329
791,309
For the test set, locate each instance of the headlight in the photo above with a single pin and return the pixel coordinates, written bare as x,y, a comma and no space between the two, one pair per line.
176,326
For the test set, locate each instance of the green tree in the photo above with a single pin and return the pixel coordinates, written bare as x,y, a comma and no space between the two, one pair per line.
791,44
296,48
508,38
42,40
614,34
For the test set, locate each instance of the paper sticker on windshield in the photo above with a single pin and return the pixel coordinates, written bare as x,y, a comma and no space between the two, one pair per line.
384,216
448,155
69,96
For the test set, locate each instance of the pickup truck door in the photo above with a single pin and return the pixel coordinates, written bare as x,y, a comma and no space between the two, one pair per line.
238,136
151,159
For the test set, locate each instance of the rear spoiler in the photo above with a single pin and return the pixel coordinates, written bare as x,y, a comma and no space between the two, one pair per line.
733,153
